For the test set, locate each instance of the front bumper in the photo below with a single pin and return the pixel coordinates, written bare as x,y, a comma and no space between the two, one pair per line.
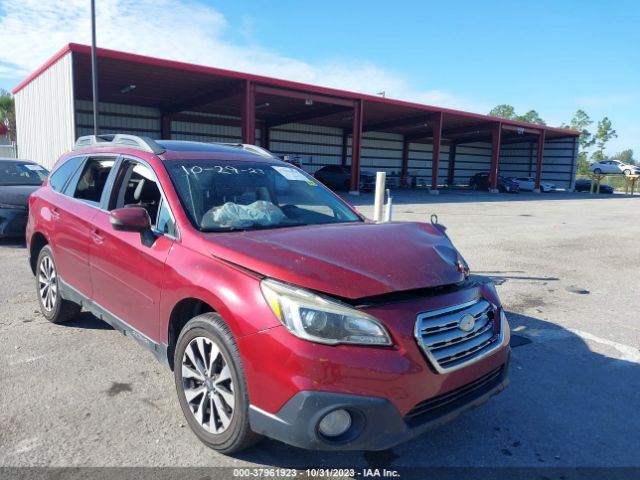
13,222
376,422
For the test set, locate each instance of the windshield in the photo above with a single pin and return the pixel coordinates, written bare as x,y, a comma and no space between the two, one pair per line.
227,195
17,173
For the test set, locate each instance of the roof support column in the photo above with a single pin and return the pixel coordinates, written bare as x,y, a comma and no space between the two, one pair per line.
356,142
496,137
574,157
265,136
435,155
345,144
452,164
248,114
404,170
539,160
165,127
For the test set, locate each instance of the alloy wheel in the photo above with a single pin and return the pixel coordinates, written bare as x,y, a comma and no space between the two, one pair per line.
207,385
48,283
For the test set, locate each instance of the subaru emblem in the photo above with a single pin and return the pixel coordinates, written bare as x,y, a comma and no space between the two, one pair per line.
467,323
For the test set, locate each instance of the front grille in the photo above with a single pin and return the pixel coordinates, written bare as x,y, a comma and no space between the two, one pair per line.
442,336
439,404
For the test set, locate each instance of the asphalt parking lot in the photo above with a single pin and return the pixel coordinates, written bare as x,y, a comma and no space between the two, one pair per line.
567,269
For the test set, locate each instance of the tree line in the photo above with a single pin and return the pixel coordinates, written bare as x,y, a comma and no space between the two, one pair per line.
592,141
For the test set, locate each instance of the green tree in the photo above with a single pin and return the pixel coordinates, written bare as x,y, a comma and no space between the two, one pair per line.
625,156
604,133
508,112
8,113
503,111
532,117
581,123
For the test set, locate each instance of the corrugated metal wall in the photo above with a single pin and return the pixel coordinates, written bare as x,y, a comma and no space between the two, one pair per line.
471,158
118,118
44,114
519,160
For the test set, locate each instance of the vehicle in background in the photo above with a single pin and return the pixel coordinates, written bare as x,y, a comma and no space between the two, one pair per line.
480,181
18,180
584,185
281,310
337,177
613,167
529,184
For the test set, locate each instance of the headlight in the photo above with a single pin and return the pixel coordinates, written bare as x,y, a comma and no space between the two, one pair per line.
318,319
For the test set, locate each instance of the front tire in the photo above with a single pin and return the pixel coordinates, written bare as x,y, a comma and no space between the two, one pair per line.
211,385
597,171
53,307
627,172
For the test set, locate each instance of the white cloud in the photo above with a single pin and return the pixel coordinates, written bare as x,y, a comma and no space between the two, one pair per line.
186,30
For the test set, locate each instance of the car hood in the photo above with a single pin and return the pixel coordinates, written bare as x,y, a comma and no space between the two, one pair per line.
347,260
16,194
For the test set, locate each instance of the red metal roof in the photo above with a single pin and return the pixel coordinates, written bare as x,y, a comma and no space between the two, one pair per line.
172,81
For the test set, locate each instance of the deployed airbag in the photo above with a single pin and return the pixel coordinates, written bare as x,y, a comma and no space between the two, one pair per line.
233,215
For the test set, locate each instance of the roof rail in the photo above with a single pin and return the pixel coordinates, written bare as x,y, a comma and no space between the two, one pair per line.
253,149
119,139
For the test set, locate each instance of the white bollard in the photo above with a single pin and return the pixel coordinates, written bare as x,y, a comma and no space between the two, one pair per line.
378,202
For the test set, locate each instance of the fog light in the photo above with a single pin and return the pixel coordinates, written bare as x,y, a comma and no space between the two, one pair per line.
335,423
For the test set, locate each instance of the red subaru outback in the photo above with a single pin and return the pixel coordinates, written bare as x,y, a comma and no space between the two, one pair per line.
281,310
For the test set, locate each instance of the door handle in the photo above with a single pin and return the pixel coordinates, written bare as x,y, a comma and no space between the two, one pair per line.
97,238
55,213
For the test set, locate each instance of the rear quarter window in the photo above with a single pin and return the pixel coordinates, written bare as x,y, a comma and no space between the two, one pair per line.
60,176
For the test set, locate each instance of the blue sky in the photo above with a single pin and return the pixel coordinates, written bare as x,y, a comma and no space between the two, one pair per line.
554,57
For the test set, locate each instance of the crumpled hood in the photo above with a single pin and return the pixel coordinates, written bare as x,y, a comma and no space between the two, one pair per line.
16,194
348,260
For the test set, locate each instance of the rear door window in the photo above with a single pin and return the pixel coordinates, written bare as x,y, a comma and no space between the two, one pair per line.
93,179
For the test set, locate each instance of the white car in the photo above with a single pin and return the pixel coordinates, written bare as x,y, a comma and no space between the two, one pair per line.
529,183
614,166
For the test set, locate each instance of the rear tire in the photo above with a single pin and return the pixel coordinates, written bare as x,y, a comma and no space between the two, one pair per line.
627,172
211,385
53,307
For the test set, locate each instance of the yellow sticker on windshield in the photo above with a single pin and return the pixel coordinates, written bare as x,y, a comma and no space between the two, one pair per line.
313,184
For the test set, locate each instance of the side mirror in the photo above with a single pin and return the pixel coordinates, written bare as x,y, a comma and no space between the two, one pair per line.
133,219
130,219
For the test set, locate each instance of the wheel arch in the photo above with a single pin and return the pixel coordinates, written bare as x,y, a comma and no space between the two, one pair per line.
36,244
181,313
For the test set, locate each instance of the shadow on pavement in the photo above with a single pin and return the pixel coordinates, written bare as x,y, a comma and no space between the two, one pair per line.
12,242
566,406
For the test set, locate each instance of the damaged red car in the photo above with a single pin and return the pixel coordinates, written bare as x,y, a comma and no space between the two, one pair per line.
281,310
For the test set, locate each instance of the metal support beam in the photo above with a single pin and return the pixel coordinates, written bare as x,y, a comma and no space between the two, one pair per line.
316,98
94,69
248,114
404,171
356,143
345,145
496,136
539,158
311,114
219,93
435,154
265,136
530,158
574,158
452,164
165,127
415,120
